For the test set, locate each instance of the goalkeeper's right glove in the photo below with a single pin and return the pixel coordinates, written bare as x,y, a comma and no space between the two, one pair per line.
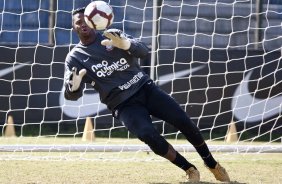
116,38
75,79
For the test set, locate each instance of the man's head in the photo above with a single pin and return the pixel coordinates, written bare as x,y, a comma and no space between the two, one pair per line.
79,25
77,13
78,10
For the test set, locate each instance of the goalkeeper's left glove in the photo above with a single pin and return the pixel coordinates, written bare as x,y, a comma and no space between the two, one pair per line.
75,79
116,38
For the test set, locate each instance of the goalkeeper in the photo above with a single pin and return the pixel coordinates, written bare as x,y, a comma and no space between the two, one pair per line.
108,62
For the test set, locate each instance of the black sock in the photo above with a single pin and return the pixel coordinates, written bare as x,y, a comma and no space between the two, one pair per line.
206,155
182,163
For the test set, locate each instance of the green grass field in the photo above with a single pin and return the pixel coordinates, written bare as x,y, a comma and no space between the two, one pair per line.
126,167
247,168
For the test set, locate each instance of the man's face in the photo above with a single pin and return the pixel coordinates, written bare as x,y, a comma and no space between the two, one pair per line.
80,26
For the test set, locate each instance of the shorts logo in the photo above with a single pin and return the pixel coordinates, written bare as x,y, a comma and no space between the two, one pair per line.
116,113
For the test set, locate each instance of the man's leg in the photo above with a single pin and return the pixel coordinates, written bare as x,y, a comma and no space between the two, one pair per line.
138,121
164,107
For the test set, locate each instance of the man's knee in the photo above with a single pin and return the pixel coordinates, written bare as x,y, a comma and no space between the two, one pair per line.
155,141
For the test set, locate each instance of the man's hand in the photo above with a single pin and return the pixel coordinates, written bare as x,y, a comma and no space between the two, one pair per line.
116,38
75,79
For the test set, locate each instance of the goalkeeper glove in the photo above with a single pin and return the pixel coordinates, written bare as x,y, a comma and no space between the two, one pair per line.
75,79
116,38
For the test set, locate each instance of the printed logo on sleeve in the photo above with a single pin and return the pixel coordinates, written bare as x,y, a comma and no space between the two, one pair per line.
85,60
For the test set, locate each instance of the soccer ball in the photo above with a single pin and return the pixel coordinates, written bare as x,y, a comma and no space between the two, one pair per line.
98,15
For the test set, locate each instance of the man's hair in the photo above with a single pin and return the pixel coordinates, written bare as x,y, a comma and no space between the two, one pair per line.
78,10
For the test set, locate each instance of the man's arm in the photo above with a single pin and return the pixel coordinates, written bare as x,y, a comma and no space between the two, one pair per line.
120,40
138,49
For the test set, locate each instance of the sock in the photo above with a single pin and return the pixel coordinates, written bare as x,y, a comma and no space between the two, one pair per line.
206,155
182,163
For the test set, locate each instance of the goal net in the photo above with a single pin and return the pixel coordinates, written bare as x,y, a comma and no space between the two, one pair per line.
220,59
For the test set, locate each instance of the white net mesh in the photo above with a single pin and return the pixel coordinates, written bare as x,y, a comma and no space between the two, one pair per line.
221,60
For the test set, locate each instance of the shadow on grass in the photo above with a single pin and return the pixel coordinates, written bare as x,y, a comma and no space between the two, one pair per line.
232,182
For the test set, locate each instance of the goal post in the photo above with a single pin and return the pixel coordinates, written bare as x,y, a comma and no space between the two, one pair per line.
221,60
